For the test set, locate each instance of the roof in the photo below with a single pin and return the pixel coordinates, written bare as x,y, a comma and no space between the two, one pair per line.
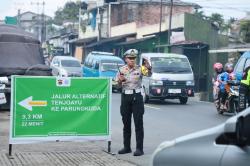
101,53
107,57
166,2
135,41
12,33
104,55
65,58
150,55
111,39
232,48
35,14
85,40
246,54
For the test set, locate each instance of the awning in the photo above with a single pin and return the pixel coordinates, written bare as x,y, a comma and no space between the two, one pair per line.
135,41
82,41
111,39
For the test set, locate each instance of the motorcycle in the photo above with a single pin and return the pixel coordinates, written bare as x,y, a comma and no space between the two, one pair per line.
232,103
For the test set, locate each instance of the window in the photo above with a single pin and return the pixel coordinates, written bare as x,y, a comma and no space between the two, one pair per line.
240,65
170,65
247,63
70,63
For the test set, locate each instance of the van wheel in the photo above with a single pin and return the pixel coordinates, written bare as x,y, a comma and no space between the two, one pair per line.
145,96
183,100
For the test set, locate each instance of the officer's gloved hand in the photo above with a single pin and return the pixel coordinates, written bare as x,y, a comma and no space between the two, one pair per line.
121,77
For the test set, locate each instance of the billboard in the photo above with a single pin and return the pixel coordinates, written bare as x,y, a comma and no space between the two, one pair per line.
64,109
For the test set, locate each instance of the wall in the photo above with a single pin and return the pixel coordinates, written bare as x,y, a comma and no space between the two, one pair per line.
200,30
123,29
143,14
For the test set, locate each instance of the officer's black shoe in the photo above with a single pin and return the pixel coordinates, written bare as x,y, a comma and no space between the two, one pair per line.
124,151
138,152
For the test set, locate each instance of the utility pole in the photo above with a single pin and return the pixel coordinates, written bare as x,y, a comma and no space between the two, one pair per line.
169,27
101,10
18,17
43,24
109,16
40,21
159,37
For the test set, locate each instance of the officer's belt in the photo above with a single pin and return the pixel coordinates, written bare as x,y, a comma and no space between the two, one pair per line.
131,91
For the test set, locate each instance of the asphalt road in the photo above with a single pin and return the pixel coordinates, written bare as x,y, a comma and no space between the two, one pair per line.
164,121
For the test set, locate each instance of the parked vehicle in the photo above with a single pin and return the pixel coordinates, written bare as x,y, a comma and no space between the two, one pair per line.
242,64
225,145
172,77
102,64
20,54
66,66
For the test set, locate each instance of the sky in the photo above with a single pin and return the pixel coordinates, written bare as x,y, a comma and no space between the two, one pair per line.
228,8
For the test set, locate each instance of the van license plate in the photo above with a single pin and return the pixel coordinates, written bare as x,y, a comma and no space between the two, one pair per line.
174,90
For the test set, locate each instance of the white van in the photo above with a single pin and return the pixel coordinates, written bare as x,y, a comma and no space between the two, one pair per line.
172,77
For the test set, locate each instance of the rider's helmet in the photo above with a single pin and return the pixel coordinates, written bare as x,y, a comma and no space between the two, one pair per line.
229,67
218,67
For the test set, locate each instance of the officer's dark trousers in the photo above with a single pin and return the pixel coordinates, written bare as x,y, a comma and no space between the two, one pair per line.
132,104
243,96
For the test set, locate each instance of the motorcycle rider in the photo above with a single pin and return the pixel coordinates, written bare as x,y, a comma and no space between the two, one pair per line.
244,89
218,68
223,78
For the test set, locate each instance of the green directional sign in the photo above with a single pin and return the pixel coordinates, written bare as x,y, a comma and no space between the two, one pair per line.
10,20
51,108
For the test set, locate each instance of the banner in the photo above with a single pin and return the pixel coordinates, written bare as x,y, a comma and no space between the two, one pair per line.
64,109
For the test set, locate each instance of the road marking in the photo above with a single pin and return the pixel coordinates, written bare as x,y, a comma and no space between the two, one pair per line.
146,105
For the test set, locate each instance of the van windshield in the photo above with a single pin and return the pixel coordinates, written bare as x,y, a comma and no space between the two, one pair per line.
70,63
110,66
170,65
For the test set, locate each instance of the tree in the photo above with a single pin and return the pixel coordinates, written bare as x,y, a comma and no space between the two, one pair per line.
200,14
245,30
217,18
70,12
228,26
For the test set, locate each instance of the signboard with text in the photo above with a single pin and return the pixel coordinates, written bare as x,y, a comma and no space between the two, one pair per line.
65,109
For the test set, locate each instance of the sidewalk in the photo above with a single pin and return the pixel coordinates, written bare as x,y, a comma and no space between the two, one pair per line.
53,153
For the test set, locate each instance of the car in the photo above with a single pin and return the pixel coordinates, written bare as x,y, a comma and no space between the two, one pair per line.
20,54
227,144
242,64
103,64
172,77
66,66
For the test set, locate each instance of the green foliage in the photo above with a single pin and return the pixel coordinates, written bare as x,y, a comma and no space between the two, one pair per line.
69,12
200,14
218,18
245,30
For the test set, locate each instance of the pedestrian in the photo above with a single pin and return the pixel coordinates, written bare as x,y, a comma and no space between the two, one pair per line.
129,78
244,89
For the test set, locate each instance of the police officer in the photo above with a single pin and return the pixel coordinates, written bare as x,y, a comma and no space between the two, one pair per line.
130,78
244,89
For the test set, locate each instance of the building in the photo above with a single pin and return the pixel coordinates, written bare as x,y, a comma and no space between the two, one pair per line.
144,25
34,23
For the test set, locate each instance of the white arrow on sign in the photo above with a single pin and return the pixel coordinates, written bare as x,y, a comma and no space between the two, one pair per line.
28,103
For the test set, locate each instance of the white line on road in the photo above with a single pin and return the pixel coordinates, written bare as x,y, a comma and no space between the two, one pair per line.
151,107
